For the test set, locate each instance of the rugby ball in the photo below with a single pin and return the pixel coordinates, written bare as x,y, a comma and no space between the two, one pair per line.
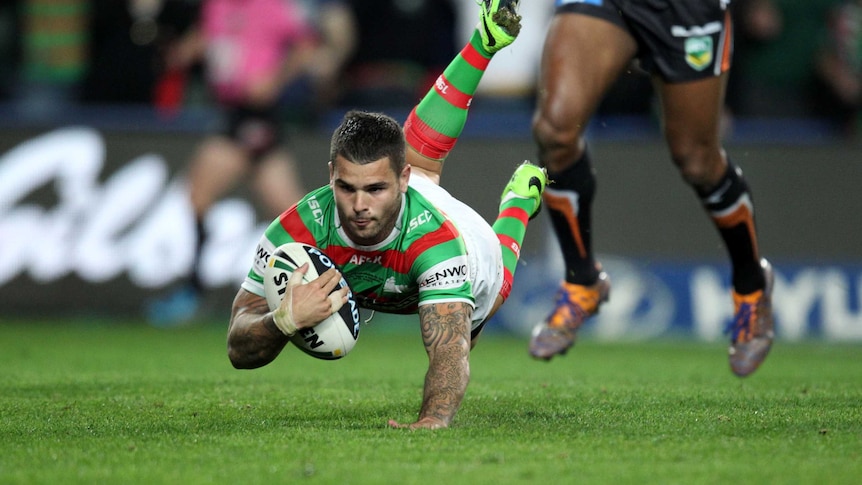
334,337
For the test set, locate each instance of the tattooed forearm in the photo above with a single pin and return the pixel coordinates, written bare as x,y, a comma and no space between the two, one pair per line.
253,339
446,333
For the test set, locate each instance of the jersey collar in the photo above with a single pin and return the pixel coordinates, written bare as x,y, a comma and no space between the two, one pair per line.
393,235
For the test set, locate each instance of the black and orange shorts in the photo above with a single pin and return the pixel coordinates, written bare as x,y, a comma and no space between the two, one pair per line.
678,40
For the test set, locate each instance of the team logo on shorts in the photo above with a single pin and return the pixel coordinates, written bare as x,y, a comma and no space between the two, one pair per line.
698,52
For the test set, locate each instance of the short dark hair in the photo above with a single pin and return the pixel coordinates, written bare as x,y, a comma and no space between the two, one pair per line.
364,137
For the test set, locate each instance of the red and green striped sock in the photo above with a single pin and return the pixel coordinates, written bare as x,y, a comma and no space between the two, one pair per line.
433,127
510,227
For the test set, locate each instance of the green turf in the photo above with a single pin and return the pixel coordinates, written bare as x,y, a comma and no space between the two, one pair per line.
125,403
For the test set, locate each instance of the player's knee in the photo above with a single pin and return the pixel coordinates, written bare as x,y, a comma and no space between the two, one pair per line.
558,141
699,165
552,133
693,171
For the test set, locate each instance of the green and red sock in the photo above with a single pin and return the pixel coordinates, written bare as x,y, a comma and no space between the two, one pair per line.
510,227
435,124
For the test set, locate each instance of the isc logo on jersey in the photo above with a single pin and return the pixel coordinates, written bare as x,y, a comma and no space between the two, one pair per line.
418,220
451,273
316,211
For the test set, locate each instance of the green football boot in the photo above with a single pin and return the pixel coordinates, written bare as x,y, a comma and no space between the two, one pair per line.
499,23
528,182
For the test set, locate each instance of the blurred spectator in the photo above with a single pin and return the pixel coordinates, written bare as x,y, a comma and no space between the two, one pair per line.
319,87
128,42
252,50
839,67
10,45
777,70
402,46
54,50
756,23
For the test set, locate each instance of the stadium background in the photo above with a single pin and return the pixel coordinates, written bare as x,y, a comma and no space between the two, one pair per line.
93,217
93,221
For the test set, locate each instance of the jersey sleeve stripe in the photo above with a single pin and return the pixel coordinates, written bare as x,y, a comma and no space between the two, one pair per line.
295,227
446,232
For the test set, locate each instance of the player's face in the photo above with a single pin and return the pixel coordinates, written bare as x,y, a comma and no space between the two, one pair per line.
368,198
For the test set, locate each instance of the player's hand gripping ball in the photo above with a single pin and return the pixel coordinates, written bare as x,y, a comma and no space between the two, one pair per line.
334,337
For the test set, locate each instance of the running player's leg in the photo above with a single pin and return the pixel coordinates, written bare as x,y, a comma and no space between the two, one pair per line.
433,127
692,88
215,168
692,112
582,57
277,181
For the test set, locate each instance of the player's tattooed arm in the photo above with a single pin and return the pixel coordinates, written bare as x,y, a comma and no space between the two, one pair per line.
253,339
446,333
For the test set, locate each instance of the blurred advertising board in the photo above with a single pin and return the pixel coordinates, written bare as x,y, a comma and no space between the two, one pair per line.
94,223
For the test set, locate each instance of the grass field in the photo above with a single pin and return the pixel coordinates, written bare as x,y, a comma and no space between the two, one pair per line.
125,403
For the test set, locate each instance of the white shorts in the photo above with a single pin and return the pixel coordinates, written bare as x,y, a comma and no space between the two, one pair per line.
483,248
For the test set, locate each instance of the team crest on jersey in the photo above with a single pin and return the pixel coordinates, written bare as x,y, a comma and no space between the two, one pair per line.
698,52
389,286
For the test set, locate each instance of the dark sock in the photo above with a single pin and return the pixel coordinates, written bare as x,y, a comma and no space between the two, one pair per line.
195,276
731,208
569,199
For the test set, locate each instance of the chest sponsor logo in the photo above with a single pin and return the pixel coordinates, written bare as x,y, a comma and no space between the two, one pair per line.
358,259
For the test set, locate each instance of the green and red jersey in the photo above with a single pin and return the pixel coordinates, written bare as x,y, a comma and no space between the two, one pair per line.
424,259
